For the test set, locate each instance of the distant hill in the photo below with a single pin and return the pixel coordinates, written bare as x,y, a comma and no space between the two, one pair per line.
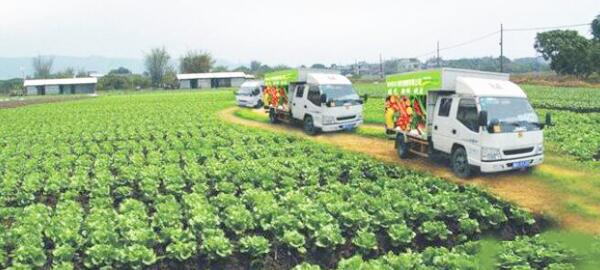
10,67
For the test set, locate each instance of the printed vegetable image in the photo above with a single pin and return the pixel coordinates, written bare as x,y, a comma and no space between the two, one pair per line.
405,102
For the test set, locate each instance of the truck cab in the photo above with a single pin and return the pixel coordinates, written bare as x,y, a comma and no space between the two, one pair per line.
325,102
250,94
488,124
479,120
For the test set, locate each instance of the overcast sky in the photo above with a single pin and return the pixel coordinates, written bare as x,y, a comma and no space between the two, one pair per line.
279,31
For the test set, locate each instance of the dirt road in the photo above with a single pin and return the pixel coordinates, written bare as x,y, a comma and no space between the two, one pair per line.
525,189
20,102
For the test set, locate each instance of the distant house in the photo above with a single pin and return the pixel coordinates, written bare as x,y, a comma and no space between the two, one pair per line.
60,86
212,80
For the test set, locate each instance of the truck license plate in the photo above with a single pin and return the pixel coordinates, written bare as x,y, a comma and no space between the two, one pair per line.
348,126
521,164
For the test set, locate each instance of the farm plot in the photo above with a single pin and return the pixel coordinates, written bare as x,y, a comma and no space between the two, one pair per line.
156,181
580,100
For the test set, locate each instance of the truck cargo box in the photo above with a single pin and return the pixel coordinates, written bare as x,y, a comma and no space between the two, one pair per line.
411,96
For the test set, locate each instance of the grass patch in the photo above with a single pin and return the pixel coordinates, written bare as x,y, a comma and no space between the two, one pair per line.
249,114
585,246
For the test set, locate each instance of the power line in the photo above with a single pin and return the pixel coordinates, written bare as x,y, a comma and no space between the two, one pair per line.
470,41
546,27
458,45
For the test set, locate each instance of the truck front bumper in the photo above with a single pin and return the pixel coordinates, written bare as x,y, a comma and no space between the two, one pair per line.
341,126
508,165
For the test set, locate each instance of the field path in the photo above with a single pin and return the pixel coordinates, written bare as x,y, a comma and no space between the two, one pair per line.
525,189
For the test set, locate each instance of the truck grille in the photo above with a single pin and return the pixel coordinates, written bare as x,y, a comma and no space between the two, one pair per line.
344,118
518,151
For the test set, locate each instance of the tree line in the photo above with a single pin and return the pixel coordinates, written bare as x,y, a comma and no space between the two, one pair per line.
570,53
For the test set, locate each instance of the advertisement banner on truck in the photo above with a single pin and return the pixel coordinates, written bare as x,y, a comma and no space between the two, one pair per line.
414,83
281,78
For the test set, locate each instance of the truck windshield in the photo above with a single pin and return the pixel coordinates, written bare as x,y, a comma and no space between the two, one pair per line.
512,114
340,93
246,91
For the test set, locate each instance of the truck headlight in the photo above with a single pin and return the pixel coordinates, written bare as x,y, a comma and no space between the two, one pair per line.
539,149
328,120
490,154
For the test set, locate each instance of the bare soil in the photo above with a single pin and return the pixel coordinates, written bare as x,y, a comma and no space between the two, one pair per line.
14,103
525,189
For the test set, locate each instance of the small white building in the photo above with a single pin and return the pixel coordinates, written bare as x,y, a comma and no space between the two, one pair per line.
60,86
212,80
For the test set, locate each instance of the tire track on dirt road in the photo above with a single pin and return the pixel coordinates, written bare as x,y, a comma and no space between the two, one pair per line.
521,188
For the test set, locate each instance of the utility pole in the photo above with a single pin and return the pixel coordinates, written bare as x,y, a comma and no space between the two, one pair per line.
501,48
438,54
381,66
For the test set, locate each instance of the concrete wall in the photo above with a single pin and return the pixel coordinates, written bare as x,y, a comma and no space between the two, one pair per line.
52,89
85,88
31,90
185,84
55,89
204,83
237,82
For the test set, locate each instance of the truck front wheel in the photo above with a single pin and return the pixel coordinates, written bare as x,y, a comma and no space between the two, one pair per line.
273,116
460,163
402,146
309,126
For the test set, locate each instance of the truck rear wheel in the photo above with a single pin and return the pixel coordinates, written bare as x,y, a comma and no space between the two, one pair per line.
460,163
309,126
273,117
402,146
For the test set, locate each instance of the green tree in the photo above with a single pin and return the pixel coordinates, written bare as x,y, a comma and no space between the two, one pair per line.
242,69
319,66
120,71
67,73
195,62
220,69
568,52
157,64
42,67
255,66
596,28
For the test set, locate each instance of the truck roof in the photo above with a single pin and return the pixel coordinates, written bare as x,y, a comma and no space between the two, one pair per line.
285,77
443,79
488,88
320,78
251,83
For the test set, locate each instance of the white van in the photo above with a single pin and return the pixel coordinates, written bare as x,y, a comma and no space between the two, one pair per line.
250,94
323,101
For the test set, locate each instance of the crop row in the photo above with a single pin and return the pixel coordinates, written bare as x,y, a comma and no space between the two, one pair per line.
577,134
157,181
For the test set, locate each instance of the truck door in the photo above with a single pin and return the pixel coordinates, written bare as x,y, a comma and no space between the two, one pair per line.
298,102
312,104
441,134
467,128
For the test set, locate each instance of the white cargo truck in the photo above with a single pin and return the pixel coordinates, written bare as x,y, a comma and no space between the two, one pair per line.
322,100
479,120
250,94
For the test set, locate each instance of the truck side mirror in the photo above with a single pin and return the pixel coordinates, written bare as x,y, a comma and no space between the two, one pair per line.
323,98
482,119
549,120
365,97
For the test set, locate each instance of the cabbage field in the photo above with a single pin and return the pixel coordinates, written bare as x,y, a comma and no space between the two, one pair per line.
156,181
